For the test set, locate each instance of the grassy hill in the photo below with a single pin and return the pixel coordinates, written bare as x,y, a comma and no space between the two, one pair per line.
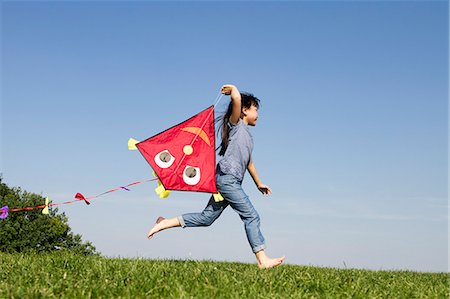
65,275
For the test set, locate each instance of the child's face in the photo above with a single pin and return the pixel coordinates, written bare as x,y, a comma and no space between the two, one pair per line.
251,115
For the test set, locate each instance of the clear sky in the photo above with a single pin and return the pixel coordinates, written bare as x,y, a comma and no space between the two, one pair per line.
352,134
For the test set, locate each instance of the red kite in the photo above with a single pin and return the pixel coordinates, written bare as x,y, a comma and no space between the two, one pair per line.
184,156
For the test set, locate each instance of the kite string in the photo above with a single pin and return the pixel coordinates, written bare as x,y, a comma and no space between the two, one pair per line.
218,98
119,188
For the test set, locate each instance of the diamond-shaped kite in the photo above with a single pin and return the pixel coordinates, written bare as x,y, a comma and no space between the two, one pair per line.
183,156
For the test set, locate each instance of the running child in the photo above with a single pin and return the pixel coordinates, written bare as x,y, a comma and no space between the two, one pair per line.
236,151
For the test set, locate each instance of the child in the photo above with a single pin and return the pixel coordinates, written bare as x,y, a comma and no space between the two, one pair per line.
236,149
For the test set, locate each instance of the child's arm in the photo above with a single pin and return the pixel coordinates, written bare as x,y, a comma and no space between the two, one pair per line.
232,90
261,187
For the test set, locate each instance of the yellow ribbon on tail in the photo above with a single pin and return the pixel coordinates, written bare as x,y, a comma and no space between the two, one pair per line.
45,210
217,197
132,144
160,190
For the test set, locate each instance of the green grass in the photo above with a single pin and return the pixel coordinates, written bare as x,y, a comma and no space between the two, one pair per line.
65,275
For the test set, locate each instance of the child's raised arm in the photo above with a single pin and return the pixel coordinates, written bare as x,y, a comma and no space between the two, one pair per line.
232,90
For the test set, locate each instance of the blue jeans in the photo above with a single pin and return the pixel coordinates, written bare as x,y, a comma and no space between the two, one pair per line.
233,195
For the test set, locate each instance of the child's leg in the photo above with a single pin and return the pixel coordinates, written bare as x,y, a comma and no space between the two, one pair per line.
211,212
239,201
251,221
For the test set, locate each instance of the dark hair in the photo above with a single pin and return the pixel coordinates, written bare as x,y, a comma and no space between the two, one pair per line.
247,100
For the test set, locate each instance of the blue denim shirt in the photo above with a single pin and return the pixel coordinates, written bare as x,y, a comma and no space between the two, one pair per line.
238,153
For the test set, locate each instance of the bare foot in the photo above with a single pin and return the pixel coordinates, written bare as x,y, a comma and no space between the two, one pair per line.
270,263
156,228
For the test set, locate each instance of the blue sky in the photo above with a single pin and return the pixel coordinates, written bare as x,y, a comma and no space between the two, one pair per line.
352,135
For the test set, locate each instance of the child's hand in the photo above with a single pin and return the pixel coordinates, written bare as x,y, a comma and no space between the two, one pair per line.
227,89
265,189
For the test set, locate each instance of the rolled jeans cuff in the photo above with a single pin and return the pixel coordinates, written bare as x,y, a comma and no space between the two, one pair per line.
181,220
258,248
